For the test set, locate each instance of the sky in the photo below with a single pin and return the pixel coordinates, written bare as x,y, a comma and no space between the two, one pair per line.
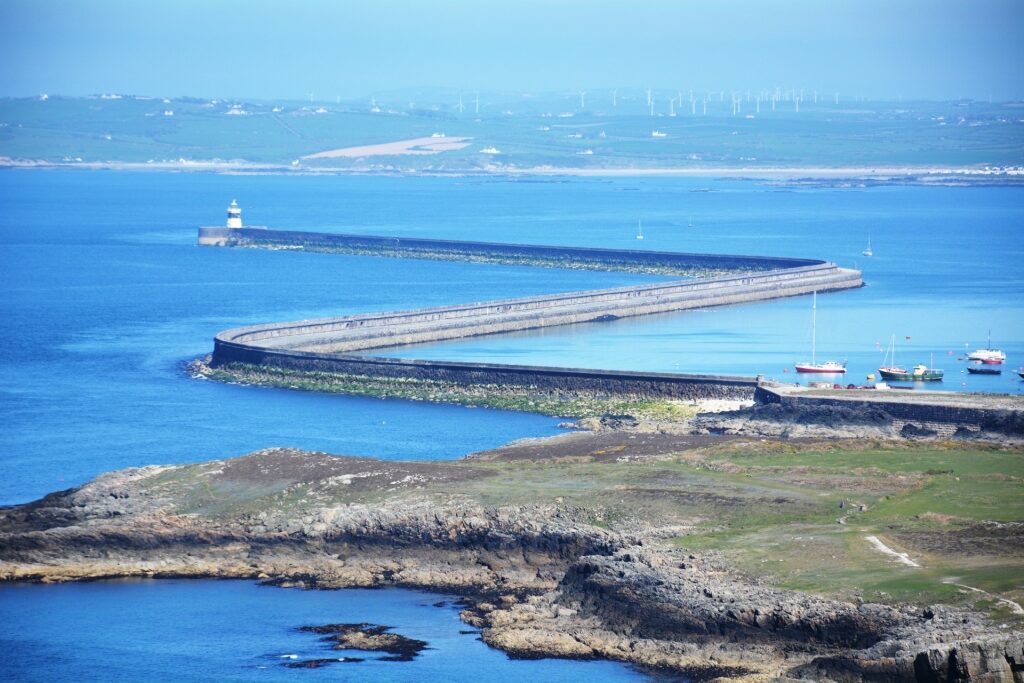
915,49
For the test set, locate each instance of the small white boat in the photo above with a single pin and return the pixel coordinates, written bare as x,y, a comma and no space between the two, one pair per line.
868,252
639,230
658,134
490,150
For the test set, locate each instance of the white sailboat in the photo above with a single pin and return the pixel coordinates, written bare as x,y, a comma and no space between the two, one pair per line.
868,252
830,367
639,230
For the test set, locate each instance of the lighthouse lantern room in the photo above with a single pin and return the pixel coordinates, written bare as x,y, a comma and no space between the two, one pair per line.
234,215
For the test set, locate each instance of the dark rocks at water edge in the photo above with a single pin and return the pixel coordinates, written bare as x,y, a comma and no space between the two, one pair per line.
317,663
854,420
371,638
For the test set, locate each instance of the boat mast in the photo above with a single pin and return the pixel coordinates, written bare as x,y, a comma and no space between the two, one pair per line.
814,326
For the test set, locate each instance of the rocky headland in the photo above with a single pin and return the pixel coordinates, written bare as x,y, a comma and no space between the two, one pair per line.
586,545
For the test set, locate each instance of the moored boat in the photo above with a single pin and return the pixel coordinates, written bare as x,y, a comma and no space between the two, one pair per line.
897,373
829,367
988,355
980,368
919,373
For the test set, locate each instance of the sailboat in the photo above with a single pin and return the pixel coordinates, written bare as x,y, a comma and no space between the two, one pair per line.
828,367
639,230
868,252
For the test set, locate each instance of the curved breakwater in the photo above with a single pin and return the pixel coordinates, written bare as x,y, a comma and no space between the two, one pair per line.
334,345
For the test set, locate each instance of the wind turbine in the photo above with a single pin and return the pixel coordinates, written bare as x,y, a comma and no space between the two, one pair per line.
583,99
615,98
672,107
461,106
649,101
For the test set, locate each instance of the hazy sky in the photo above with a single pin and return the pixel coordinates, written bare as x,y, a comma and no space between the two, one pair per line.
937,49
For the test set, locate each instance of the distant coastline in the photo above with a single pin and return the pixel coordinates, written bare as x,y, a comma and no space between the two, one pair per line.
903,175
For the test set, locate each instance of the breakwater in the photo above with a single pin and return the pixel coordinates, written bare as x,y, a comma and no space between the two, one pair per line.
335,345
667,262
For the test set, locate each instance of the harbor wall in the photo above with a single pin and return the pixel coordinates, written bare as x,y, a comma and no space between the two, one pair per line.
335,344
546,380
361,332
942,418
554,255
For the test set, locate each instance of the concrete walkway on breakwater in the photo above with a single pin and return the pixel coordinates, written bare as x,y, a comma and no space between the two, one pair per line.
331,344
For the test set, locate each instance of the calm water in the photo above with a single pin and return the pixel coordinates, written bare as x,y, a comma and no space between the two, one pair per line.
188,631
105,297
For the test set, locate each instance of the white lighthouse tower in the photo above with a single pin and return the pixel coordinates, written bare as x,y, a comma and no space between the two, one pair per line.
234,215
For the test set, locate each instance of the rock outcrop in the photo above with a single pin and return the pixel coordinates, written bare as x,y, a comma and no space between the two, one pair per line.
540,580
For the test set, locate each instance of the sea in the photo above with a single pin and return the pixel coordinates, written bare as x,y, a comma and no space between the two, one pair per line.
104,299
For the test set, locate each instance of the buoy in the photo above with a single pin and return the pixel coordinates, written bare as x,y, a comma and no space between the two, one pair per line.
871,377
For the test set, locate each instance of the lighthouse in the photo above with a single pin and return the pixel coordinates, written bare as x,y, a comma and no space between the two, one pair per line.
223,235
234,215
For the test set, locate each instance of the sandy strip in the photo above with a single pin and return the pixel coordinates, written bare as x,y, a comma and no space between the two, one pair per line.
1014,606
415,146
902,558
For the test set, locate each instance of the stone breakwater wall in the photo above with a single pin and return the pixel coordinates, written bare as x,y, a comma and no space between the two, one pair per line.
572,257
942,418
334,344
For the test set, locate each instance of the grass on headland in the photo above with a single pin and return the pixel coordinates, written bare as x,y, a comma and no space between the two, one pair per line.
957,510
792,515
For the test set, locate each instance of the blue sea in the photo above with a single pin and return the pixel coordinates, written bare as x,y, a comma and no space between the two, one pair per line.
104,298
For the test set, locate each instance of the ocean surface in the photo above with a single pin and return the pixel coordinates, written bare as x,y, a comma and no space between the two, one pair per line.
104,298
197,631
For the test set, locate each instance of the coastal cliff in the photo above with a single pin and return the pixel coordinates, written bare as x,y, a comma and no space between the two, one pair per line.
568,547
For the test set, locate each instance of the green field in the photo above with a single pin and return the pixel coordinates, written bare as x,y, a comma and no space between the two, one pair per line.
772,509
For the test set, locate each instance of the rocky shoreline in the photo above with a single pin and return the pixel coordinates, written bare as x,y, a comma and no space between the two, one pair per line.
539,579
